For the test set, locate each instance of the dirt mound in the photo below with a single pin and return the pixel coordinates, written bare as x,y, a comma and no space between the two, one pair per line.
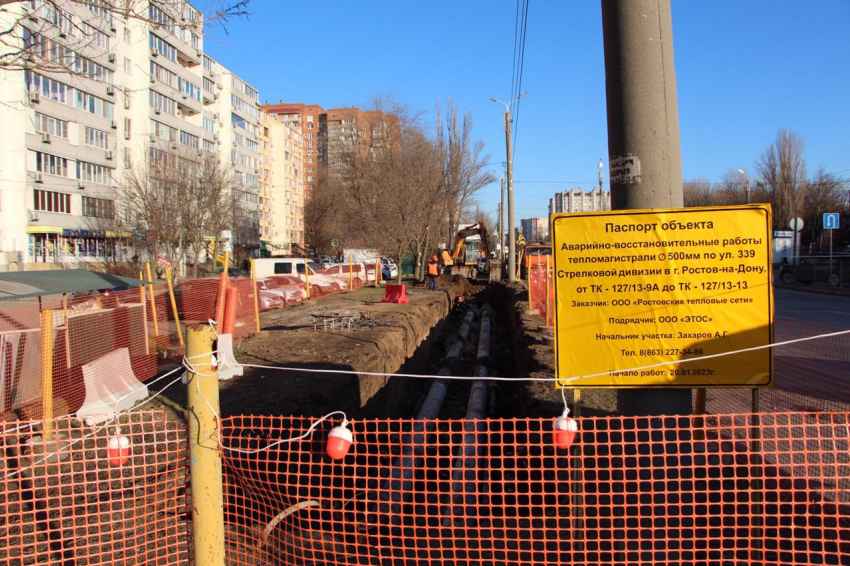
456,285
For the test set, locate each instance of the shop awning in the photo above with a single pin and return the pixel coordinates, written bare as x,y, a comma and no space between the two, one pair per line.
44,230
21,284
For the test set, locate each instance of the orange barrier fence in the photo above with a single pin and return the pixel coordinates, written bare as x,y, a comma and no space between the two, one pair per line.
725,489
65,503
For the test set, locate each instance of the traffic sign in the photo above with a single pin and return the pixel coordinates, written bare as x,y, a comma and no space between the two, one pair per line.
796,224
641,292
162,261
831,220
335,243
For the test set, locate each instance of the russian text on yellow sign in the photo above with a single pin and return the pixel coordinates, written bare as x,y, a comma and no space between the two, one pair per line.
641,287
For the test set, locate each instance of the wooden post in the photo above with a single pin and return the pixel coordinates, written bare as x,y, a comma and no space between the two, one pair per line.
174,305
144,315
307,276
47,373
153,299
528,283
256,294
226,261
378,271
204,454
67,330
546,310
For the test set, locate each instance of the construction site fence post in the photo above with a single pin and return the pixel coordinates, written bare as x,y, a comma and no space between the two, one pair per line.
174,305
153,299
204,454
256,294
307,277
47,372
351,272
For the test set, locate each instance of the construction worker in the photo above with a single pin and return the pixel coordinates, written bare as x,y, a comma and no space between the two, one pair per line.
433,272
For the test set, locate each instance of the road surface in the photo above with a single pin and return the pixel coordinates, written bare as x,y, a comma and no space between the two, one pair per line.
813,307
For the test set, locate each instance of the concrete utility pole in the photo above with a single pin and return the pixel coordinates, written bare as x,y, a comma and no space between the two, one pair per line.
643,125
502,223
511,235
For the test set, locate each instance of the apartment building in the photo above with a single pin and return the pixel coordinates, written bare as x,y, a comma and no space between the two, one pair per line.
311,121
351,128
140,91
535,230
577,200
287,193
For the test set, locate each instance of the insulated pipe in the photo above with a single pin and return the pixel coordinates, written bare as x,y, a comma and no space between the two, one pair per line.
391,494
484,335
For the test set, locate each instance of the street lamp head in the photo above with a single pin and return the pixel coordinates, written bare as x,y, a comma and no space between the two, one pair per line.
493,100
742,172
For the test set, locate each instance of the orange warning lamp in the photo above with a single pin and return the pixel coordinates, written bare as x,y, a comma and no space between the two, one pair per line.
340,440
118,449
565,430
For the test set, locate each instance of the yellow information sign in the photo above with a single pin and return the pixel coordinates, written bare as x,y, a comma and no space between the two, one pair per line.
636,288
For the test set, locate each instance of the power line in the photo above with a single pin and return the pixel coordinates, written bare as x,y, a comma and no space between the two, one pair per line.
518,91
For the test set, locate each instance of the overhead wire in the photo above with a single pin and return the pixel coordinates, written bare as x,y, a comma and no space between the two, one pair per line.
521,67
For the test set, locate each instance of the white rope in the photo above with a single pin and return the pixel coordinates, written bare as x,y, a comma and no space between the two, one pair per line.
545,379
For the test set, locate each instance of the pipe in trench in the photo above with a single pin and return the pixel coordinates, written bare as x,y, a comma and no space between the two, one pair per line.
464,474
394,488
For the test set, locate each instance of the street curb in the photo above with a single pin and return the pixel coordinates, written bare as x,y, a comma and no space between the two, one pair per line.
840,292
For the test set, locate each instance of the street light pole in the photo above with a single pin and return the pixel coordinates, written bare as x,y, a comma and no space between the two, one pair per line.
747,177
511,235
502,223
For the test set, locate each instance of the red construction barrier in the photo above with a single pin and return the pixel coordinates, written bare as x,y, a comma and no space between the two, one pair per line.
395,294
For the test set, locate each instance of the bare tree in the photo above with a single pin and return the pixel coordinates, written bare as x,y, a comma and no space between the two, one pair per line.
23,46
732,189
465,166
825,194
698,192
179,202
782,167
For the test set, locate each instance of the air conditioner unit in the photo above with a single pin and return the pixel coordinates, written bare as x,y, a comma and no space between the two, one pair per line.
112,28
126,101
81,186
174,145
110,91
33,216
108,155
114,124
45,137
215,96
199,53
111,57
185,96
215,115
233,107
153,138
218,142
157,111
218,86
154,52
234,144
127,134
35,98
153,79
39,178
63,34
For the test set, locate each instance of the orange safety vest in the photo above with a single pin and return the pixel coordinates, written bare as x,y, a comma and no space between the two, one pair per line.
433,268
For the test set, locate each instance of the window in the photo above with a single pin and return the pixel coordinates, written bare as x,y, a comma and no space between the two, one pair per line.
93,104
209,86
209,65
128,126
163,132
245,89
282,268
98,208
189,89
46,87
252,145
159,16
209,125
128,66
93,173
209,146
245,107
50,201
126,35
163,75
164,103
163,47
189,140
95,36
97,138
51,125
51,164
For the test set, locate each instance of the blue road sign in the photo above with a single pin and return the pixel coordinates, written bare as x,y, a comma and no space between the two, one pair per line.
831,220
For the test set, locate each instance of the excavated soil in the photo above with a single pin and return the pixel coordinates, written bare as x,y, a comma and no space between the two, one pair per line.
383,338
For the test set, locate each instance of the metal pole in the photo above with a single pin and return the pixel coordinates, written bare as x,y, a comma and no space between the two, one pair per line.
643,121
204,455
511,236
256,294
153,299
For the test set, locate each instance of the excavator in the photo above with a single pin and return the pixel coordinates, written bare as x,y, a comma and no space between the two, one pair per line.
459,254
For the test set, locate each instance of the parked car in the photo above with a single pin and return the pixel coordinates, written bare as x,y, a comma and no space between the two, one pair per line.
270,301
295,266
389,263
358,271
232,271
291,294
817,269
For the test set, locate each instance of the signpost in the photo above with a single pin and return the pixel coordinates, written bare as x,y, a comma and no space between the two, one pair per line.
796,224
636,288
831,221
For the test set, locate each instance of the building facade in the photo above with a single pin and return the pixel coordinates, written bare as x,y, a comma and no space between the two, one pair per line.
107,95
311,121
578,200
535,230
287,194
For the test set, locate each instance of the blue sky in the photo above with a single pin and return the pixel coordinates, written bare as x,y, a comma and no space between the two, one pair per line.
744,70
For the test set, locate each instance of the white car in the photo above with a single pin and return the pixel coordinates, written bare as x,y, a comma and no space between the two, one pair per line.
295,266
291,294
390,263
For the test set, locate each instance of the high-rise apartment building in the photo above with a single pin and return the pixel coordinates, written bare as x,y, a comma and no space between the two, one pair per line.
136,91
288,188
310,121
535,230
578,200
351,129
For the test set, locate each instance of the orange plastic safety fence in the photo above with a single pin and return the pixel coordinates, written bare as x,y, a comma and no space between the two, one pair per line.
725,489
65,503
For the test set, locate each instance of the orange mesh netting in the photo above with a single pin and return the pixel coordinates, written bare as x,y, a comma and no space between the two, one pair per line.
685,490
66,504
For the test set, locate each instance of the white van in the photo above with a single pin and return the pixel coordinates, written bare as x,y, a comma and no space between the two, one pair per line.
294,266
